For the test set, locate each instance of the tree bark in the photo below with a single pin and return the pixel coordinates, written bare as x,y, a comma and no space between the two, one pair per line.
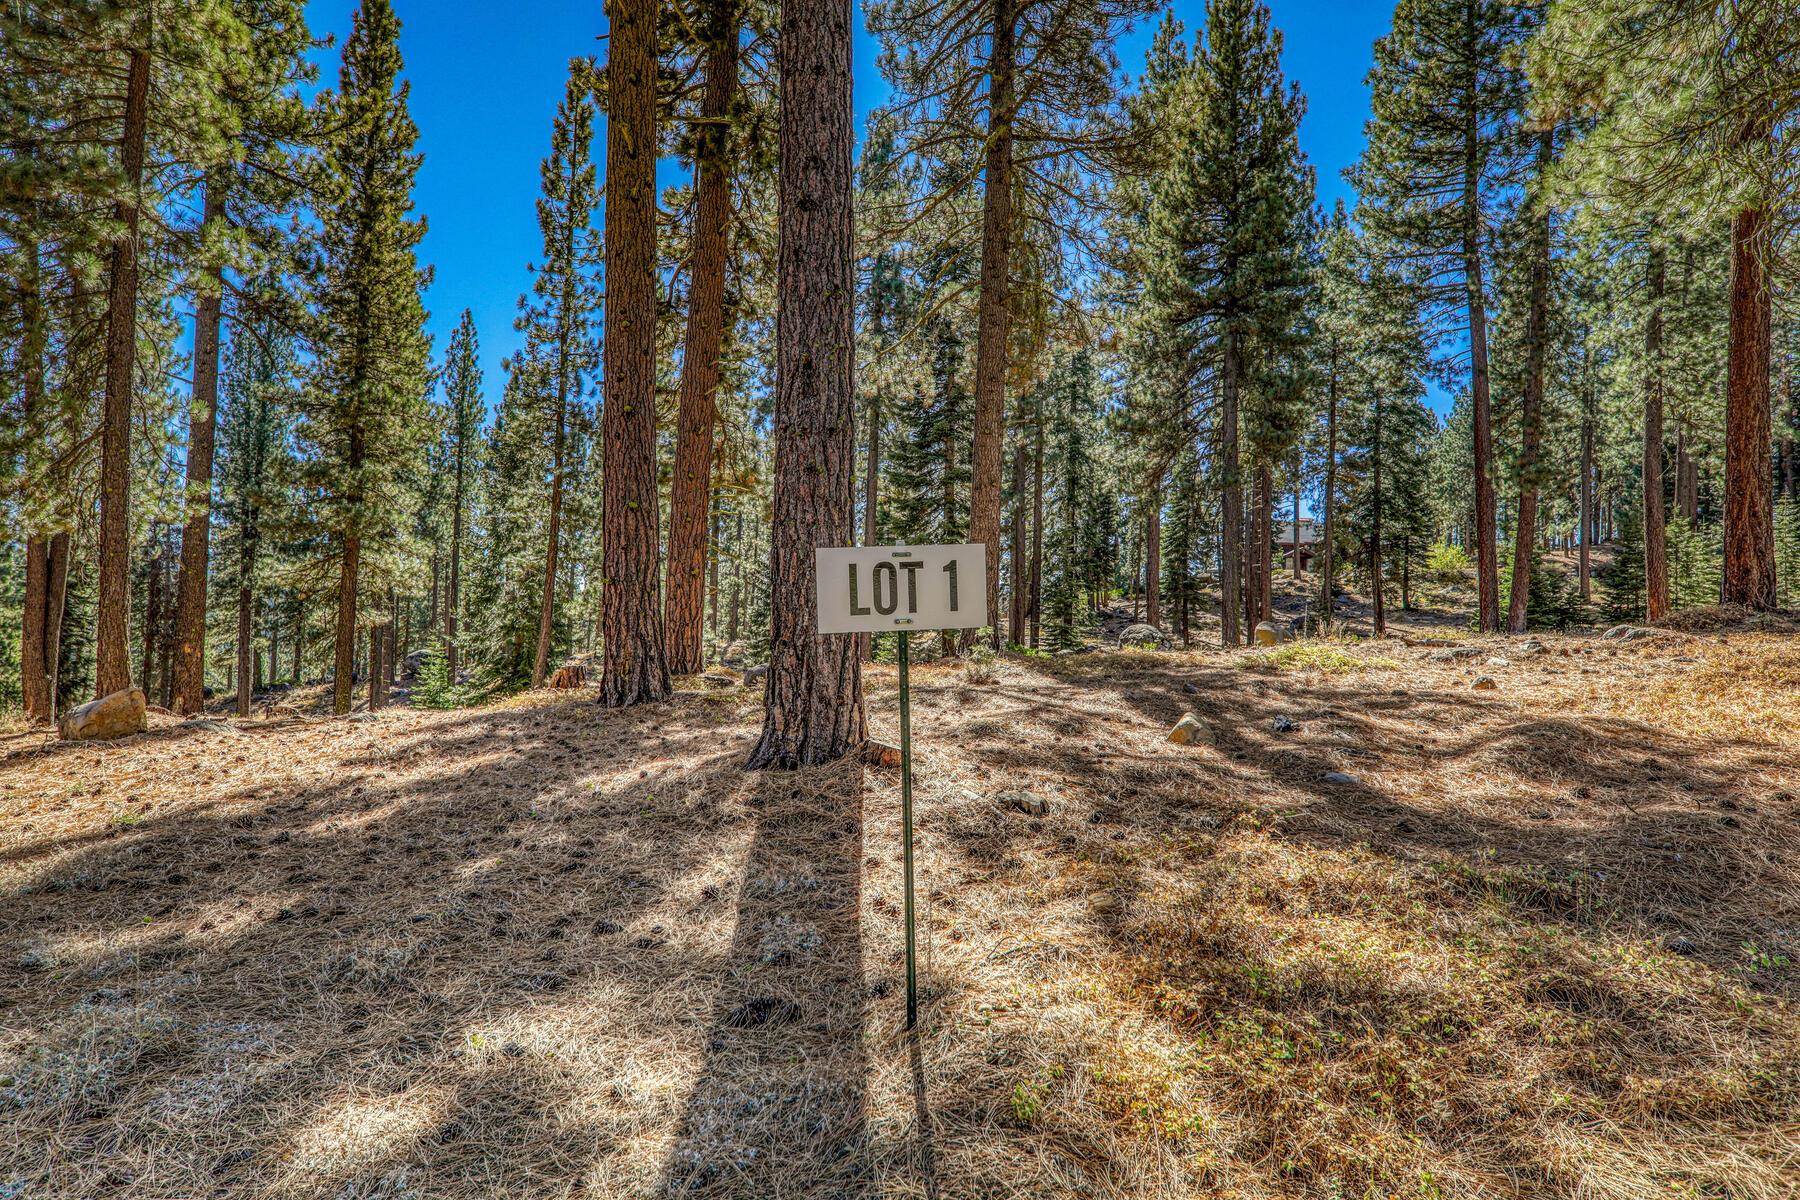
553,534
1231,501
1585,523
1375,581
1656,554
994,320
1487,555
688,491
40,633
1537,320
453,587
1037,525
1294,545
1015,624
1327,595
865,643
344,653
1153,502
243,682
190,604
1749,519
1265,544
633,668
153,590
112,670
813,702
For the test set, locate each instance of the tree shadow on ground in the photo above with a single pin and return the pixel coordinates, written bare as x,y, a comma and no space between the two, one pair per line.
779,1106
1583,819
394,975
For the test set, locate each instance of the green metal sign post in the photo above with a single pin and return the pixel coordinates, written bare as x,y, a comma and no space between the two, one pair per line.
906,827
896,589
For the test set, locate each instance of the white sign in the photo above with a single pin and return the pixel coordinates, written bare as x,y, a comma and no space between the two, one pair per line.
877,589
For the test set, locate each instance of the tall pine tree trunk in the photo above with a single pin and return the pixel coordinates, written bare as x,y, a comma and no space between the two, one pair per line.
1375,582
190,605
813,702
993,332
1656,552
633,669
865,643
1749,520
1231,517
453,588
112,670
40,633
1327,586
540,662
1487,554
1585,507
1537,322
244,682
1265,544
344,652
1153,501
153,589
1294,544
1015,623
688,492
1037,525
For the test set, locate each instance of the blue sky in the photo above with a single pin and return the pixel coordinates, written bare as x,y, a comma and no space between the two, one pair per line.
486,78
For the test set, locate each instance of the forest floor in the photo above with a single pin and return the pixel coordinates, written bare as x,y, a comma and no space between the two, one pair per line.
1381,934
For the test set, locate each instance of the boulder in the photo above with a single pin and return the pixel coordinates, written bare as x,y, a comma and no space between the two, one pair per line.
1141,634
1455,653
1484,683
1340,778
118,715
718,679
1270,634
754,675
1024,802
1628,633
1189,731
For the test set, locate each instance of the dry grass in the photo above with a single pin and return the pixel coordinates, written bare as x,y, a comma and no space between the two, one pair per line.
1542,943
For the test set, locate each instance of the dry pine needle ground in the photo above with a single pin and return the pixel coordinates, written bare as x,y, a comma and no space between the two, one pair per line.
1538,940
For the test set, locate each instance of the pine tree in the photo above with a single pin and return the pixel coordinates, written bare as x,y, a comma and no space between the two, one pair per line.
248,187
813,703
558,316
633,668
690,490
1004,93
461,377
1227,216
364,411
1684,104
1441,147
256,422
929,475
